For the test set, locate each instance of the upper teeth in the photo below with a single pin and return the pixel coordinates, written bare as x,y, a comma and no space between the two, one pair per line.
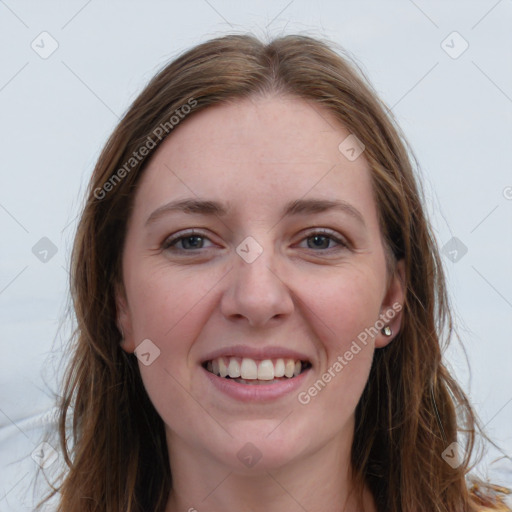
247,368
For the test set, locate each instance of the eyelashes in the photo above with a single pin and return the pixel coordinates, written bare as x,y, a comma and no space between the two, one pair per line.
193,241
172,241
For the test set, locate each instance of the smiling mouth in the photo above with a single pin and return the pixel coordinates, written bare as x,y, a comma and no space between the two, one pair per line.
256,372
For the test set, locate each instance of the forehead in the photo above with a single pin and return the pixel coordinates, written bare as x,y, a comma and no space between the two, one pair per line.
258,152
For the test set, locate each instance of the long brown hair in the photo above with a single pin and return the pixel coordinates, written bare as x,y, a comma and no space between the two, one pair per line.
411,409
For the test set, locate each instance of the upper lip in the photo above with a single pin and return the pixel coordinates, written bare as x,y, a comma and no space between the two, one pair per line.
259,353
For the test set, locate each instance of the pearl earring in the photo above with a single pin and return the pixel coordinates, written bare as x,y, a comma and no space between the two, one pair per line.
387,331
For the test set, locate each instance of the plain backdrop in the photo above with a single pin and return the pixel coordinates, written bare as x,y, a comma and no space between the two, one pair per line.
70,69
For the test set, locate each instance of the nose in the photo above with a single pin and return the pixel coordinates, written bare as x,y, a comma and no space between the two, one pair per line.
257,293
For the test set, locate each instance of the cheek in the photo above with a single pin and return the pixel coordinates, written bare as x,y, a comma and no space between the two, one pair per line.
168,308
343,305
165,309
343,311
166,303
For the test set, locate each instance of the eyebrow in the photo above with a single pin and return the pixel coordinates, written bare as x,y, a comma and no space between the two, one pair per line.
215,208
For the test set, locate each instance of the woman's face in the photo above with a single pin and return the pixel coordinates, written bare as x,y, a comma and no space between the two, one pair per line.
274,278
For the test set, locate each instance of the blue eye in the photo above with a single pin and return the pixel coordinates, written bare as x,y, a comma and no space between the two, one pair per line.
322,239
188,241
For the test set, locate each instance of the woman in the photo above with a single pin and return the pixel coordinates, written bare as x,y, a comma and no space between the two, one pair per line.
260,301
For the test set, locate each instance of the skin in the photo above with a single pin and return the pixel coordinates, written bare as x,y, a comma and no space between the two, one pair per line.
257,154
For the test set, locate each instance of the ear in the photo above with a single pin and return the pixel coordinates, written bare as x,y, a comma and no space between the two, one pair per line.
392,305
123,319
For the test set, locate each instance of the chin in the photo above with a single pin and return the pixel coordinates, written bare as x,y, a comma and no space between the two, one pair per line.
262,447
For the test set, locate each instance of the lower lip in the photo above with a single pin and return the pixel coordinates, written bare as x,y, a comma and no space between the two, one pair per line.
256,392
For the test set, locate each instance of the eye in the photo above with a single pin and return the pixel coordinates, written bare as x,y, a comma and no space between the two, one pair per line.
189,241
322,239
